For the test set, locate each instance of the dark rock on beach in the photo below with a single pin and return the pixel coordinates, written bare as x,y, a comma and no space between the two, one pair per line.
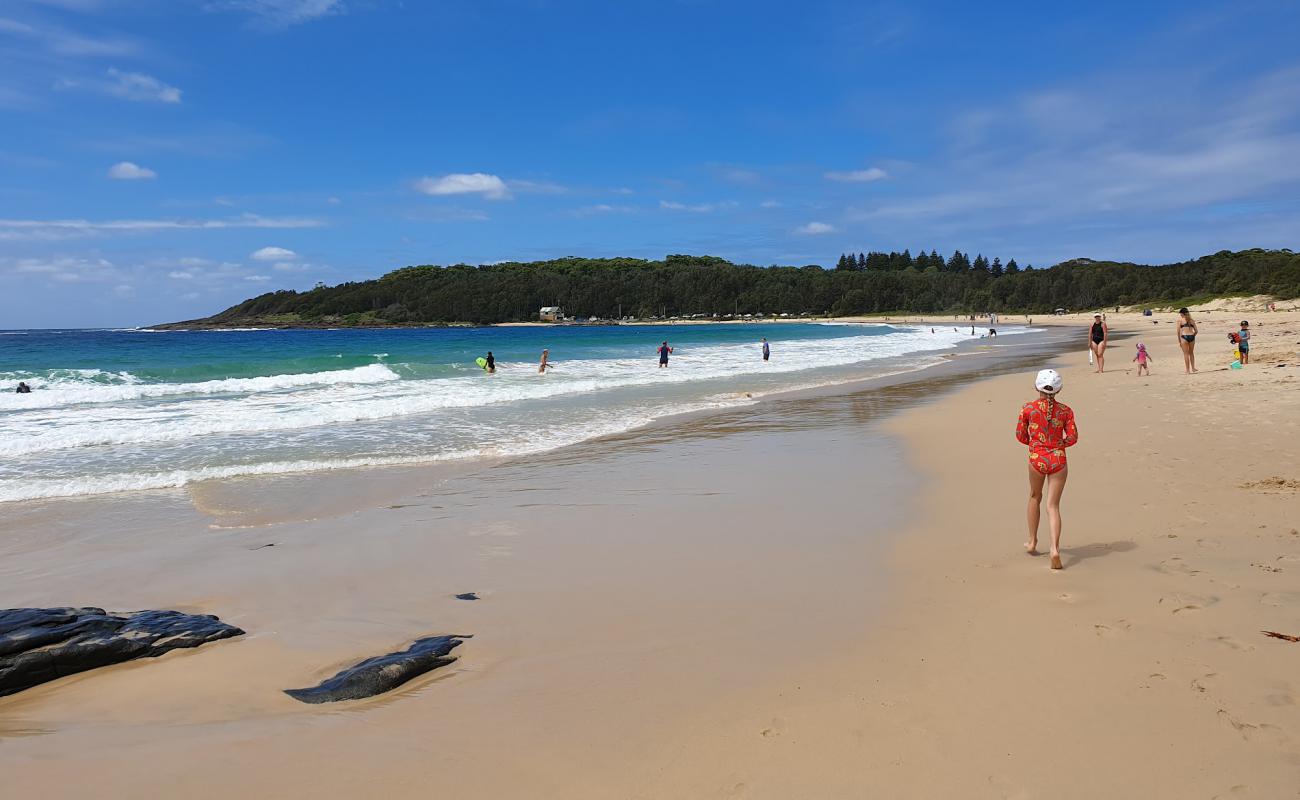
467,596
382,673
42,644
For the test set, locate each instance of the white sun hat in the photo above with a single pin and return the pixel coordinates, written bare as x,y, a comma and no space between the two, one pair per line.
1048,381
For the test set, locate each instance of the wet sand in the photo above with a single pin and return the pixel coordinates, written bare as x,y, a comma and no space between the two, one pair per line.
816,596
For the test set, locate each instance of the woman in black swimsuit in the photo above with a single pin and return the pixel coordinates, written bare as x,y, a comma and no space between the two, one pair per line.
1098,337
1187,339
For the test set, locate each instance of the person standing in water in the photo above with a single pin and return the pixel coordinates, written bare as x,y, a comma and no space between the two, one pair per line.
23,388
1098,338
491,363
1048,428
546,355
664,352
767,350
1187,331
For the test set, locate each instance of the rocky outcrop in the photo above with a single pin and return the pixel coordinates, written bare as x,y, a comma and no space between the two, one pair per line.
382,673
42,644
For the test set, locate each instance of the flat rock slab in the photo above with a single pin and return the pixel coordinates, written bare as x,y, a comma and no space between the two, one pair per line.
43,644
382,673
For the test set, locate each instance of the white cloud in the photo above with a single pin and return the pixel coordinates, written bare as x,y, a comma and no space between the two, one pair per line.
257,278
535,187
130,171
64,269
770,204
273,254
67,43
815,228
123,290
858,175
289,266
694,208
481,183
15,229
134,86
281,13
601,208
140,87
181,275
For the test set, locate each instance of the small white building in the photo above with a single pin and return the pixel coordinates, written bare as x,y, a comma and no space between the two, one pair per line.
551,314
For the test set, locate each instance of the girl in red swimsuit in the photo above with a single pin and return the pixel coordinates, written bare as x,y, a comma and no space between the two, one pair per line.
1048,428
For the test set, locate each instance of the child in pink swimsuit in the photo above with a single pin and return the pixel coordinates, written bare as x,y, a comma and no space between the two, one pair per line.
1048,428
1142,358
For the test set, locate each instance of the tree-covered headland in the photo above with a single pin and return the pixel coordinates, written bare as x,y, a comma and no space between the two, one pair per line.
681,285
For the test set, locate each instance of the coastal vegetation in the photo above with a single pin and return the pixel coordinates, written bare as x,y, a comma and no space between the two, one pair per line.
683,285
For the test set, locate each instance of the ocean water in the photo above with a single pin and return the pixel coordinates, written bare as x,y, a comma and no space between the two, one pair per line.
121,410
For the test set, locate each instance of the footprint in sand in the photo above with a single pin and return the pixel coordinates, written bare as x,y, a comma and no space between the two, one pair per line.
776,729
1267,567
1252,732
1114,629
1235,644
1175,566
1280,599
1284,699
1177,603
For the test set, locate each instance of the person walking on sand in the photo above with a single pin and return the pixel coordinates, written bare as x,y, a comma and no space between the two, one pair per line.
664,352
1142,358
1047,427
546,362
767,350
1187,331
1098,338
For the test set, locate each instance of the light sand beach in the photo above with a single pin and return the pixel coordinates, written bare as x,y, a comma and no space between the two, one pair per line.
821,596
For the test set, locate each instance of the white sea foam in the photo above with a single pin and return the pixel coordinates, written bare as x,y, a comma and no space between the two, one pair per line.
91,431
78,387
524,441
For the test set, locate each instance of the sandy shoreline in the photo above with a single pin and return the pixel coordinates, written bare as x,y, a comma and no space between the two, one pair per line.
719,611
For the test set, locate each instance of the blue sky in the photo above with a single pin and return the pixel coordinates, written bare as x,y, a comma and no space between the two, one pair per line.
163,159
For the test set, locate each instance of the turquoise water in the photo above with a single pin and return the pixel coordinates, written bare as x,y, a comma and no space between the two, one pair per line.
118,410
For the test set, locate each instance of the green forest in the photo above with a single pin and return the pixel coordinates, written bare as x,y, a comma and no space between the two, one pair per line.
683,285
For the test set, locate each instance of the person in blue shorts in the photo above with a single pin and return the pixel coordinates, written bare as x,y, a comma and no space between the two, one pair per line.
664,352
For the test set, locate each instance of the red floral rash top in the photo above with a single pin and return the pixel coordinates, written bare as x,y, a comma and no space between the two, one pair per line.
1048,428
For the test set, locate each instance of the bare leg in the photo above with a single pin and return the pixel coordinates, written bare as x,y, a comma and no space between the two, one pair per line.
1101,357
1187,359
1055,486
1191,354
1032,511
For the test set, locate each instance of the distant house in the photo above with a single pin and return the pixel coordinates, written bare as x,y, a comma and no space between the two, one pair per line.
551,314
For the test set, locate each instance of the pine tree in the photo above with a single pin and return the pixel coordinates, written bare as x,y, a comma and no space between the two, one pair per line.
1012,267
905,259
862,261
981,263
996,267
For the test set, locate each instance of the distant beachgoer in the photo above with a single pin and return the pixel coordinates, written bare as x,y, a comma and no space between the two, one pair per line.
1142,358
767,350
546,355
1048,428
993,331
972,330
1187,331
491,363
1243,342
1098,338
23,388
664,352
